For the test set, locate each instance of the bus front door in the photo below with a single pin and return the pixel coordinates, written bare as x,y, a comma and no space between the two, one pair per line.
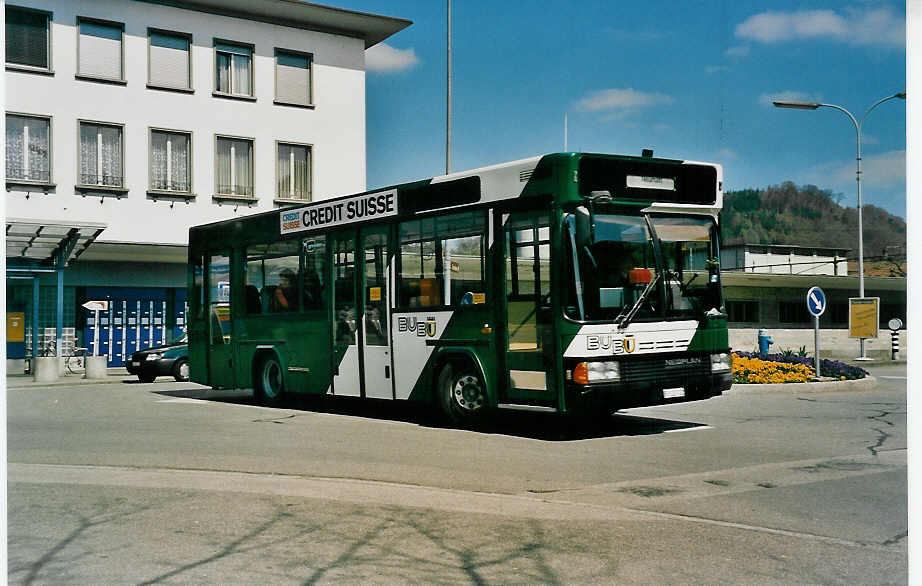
220,329
346,373
375,338
528,338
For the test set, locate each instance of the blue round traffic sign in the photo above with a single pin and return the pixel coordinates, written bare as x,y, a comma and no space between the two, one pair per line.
816,301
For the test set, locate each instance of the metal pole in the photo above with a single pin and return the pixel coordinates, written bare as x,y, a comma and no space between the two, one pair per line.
448,98
59,321
816,345
860,232
35,307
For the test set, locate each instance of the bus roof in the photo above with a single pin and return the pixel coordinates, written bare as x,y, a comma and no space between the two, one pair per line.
662,184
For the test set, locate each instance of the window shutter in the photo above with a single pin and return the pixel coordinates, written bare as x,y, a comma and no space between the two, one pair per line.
292,79
100,50
169,61
26,37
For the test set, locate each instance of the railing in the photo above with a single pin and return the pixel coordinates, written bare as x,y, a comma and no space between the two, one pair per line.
41,174
169,185
103,180
240,190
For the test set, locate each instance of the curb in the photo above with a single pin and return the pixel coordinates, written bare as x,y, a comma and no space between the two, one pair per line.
21,382
865,384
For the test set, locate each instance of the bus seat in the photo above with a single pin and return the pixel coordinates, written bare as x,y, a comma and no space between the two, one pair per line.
253,301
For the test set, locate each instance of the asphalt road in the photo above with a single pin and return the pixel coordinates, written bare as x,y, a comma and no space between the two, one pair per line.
172,483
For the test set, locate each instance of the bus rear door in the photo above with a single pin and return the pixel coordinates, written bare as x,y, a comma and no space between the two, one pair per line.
220,328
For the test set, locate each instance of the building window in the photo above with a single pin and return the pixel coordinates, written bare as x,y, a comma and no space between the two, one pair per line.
28,148
743,311
294,171
234,167
101,155
27,38
169,60
794,312
100,50
170,161
233,69
292,77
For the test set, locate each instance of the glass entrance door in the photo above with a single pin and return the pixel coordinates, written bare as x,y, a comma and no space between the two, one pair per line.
529,328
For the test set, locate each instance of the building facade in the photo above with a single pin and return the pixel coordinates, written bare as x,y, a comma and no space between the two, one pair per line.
765,287
129,121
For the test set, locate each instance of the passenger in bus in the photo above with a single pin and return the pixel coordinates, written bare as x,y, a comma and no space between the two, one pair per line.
286,295
313,290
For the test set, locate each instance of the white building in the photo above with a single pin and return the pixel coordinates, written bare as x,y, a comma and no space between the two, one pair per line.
129,121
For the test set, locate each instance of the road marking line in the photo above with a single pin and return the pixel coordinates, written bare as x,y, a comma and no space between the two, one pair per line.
684,429
898,377
184,400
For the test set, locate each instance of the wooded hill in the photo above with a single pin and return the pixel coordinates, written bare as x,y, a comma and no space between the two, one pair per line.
809,216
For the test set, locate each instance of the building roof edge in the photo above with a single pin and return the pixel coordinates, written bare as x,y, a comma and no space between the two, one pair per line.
372,28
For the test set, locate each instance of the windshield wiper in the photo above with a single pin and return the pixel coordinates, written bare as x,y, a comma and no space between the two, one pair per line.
624,319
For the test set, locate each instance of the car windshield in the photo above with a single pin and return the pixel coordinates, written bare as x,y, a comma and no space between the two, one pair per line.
635,269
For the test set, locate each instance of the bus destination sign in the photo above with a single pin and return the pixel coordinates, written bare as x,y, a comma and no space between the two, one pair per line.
368,206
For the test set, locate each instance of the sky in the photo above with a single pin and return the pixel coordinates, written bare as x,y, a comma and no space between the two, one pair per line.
691,80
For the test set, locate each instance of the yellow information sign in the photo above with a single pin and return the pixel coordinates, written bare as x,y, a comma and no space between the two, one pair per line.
863,317
374,293
15,326
480,298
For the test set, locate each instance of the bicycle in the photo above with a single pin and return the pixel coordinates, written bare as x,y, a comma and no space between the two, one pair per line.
76,362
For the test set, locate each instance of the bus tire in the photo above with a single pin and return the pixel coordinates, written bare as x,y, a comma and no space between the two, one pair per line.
462,393
270,382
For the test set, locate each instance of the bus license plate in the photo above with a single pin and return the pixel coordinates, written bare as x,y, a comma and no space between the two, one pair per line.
673,393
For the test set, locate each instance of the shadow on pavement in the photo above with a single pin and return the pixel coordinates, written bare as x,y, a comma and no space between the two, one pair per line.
539,426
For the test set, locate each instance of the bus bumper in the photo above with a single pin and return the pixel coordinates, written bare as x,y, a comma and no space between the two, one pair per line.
624,395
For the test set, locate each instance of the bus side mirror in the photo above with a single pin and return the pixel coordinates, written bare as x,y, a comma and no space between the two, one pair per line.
583,227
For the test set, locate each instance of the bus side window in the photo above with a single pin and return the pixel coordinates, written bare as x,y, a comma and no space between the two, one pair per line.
442,261
313,251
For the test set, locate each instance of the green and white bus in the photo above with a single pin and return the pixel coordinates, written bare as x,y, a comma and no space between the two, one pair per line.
570,282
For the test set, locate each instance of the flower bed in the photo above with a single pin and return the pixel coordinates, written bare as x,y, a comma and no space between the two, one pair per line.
754,370
774,365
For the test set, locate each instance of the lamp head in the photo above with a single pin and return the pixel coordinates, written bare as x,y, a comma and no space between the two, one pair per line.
796,105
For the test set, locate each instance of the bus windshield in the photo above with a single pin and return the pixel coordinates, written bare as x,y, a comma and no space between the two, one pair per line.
637,267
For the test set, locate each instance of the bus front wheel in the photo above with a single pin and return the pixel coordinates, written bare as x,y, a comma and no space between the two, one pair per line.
462,394
270,382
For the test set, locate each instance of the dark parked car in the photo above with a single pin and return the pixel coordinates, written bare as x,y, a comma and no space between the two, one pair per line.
170,360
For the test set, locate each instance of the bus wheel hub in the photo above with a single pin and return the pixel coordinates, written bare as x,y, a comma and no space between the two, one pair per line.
467,393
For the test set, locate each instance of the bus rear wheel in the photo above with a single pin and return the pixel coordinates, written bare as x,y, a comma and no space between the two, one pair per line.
270,382
462,394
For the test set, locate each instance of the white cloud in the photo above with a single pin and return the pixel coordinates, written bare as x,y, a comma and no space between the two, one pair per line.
874,26
618,102
726,154
884,170
789,96
384,58
715,68
737,51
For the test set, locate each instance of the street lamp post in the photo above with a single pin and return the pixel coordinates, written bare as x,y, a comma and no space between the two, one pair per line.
813,106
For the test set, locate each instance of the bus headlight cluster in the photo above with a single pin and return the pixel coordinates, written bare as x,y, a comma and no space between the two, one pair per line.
721,362
596,372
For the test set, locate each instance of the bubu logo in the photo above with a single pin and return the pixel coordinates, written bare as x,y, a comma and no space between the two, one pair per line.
423,329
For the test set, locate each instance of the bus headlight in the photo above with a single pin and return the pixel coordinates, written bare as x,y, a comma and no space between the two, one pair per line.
586,373
721,362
